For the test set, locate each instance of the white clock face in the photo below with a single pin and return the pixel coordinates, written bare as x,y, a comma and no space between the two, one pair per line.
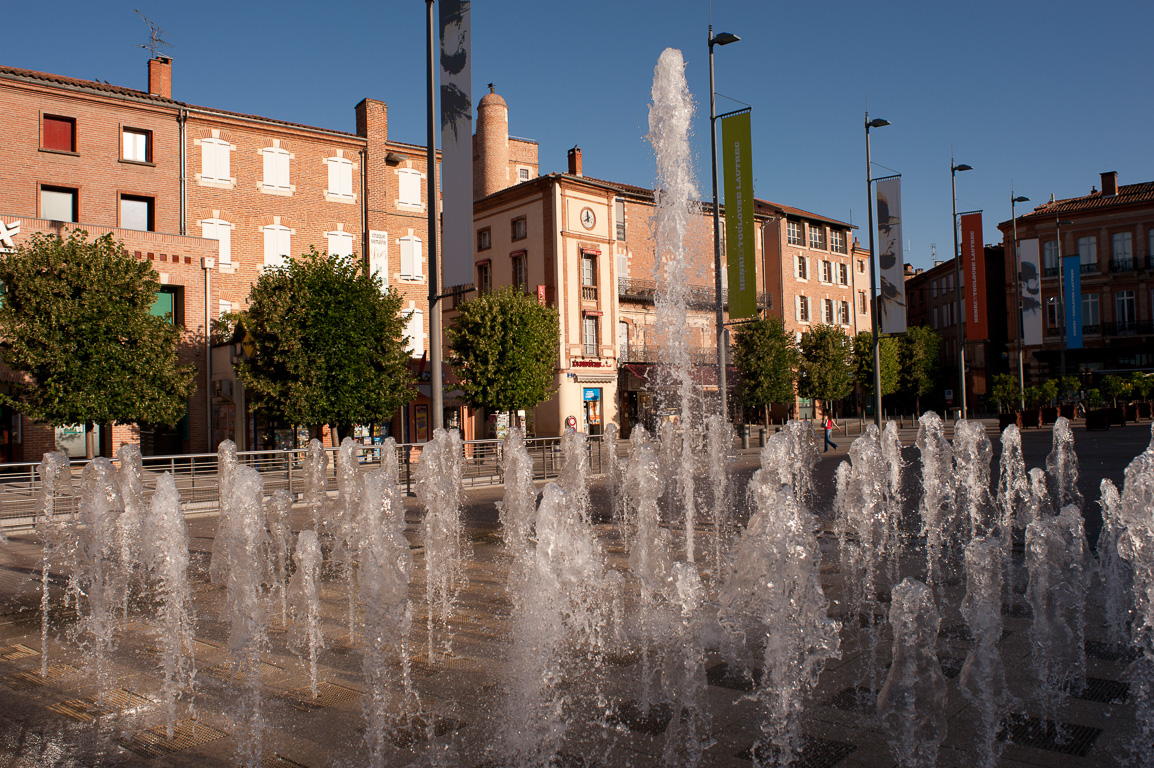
587,218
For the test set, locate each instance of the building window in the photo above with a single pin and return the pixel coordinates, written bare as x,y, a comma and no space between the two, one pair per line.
340,177
837,241
843,274
1125,313
415,331
1150,248
58,204
519,228
225,307
934,317
410,257
409,187
136,145
522,174
136,213
1088,253
828,313
827,272
167,304
484,278
619,215
1123,250
802,268
520,279
843,315
590,335
802,308
484,239
793,233
277,244
58,133
1050,257
1052,313
340,242
816,237
275,162
216,160
588,277
1090,316
220,231
861,266
933,289
861,303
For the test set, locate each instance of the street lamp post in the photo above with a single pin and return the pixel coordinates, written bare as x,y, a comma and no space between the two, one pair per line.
1058,224
722,38
877,122
954,168
1018,293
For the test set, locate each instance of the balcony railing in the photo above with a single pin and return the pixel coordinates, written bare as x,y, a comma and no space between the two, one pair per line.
698,296
1083,268
1128,328
1050,272
1091,329
589,293
1087,268
1122,265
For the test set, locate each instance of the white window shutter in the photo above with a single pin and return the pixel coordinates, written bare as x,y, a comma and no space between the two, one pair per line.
406,256
417,272
797,308
282,169
224,158
270,169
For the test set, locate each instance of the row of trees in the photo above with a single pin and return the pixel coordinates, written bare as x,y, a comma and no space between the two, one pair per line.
1111,387
826,364
324,341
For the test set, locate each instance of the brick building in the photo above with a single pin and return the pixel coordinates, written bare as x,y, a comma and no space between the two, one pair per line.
1111,230
237,192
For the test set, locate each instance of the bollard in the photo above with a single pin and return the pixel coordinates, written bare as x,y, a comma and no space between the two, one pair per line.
745,438
761,437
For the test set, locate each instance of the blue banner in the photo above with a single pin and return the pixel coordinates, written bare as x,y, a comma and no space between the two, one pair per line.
1072,298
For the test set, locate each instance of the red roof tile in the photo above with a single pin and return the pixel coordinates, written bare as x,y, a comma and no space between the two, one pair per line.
1128,194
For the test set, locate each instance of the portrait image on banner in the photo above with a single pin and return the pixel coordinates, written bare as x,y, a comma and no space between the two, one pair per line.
974,277
739,237
456,145
1030,279
891,272
1072,297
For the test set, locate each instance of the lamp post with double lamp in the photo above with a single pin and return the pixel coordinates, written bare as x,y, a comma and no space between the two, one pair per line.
1018,292
722,38
1058,224
877,122
954,169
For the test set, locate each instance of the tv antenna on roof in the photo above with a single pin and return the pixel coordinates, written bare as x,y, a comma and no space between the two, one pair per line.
154,34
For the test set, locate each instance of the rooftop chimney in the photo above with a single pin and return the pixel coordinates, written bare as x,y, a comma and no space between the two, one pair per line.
160,76
575,161
1110,183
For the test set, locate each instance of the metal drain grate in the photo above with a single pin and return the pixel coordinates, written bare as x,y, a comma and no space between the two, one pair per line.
406,736
722,676
1111,651
1104,691
85,710
17,651
420,664
225,673
853,699
1066,738
185,734
815,752
654,722
27,681
279,761
328,695
951,667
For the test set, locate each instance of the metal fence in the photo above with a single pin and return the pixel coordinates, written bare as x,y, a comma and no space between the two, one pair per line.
196,476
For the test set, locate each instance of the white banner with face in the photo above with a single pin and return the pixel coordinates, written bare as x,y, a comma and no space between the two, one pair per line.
891,272
456,144
1030,282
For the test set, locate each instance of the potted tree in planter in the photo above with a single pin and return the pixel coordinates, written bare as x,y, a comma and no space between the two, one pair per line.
1096,416
1032,416
1113,387
1068,387
1005,393
1049,392
1141,385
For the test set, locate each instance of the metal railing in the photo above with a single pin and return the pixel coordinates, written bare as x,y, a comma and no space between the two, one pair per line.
197,482
1121,265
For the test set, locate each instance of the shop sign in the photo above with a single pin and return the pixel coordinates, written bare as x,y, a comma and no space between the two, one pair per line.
591,393
7,232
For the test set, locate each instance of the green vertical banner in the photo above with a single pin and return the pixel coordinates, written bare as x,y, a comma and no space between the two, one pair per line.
739,246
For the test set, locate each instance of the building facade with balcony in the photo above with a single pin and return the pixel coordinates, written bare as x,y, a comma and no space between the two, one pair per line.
1111,230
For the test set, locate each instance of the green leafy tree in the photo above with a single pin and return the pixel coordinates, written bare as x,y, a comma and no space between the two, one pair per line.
889,352
76,320
328,344
503,347
1069,386
1049,391
766,357
826,371
1113,387
1034,397
1141,385
920,348
1005,392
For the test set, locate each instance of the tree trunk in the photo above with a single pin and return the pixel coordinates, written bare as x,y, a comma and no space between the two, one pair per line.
336,433
89,440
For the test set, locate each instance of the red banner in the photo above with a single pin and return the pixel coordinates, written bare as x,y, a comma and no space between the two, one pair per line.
974,277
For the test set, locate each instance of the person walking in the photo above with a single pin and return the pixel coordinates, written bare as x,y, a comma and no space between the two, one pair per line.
830,426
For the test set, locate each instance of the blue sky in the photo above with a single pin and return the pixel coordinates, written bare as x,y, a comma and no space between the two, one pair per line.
1048,94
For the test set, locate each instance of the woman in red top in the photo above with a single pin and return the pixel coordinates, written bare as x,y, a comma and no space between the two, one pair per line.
830,425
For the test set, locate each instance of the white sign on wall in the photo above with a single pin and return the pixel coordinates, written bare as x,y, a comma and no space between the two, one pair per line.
7,232
379,255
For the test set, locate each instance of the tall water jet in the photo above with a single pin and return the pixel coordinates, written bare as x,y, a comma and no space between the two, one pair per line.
307,640
226,465
717,446
574,475
684,681
972,453
1114,574
57,534
773,613
893,497
1062,466
612,469
1038,504
438,488
912,704
247,614
165,553
789,458
316,470
1013,484
938,512
344,527
1137,546
386,566
1056,561
519,505
277,511
983,677
129,479
98,553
